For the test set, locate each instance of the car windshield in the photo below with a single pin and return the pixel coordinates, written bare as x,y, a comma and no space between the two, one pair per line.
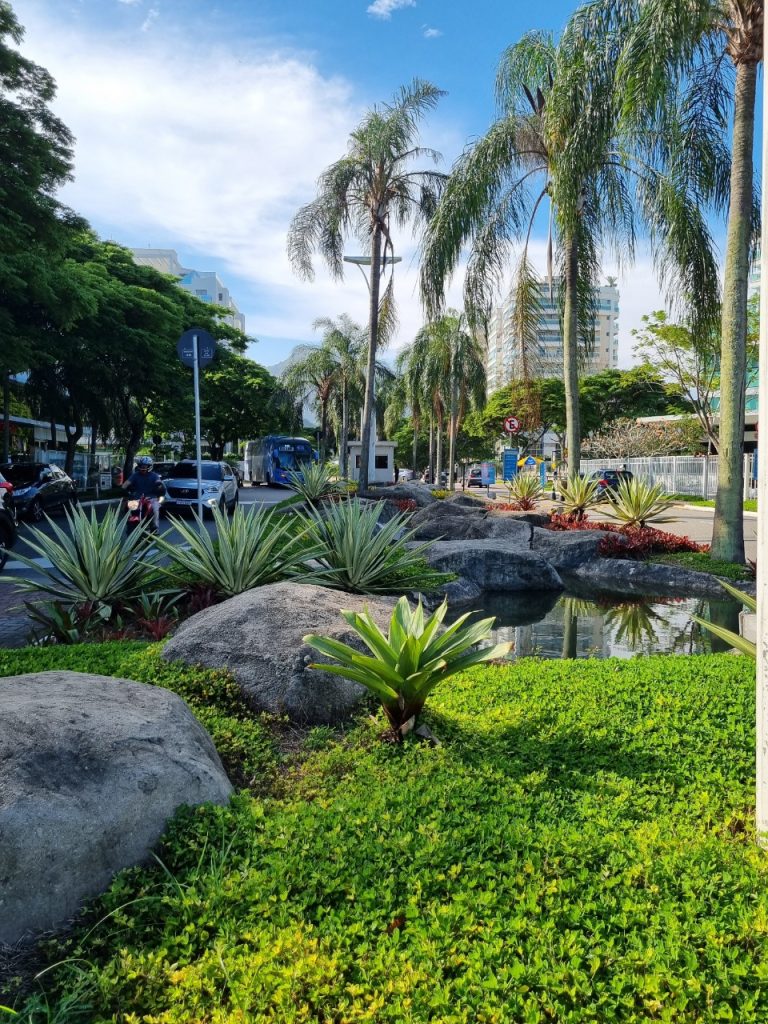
188,471
21,474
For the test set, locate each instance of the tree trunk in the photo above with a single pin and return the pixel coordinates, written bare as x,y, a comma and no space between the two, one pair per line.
343,462
415,448
431,460
323,430
373,337
439,453
453,423
728,526
6,415
571,360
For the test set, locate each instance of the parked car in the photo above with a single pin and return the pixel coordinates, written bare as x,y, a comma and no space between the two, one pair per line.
608,480
474,478
219,487
39,489
7,520
404,476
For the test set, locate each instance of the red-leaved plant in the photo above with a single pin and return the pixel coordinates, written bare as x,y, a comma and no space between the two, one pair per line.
629,541
404,504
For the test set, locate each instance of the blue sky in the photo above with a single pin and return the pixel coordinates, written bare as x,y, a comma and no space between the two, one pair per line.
202,127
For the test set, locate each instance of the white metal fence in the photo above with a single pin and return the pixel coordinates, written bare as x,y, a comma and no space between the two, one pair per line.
679,474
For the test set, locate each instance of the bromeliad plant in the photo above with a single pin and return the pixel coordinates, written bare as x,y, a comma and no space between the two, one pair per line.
93,563
737,641
253,547
316,482
637,503
359,554
578,494
410,660
525,491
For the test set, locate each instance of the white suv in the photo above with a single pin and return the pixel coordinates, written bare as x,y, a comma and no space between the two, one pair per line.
219,485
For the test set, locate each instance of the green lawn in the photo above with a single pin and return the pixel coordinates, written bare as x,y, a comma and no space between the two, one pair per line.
701,562
750,505
579,849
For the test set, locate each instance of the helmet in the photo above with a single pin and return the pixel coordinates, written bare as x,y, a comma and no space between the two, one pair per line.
144,462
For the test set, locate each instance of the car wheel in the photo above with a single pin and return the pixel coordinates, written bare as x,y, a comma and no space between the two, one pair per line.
235,502
268,480
36,512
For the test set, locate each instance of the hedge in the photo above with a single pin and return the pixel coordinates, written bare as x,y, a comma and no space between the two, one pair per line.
580,848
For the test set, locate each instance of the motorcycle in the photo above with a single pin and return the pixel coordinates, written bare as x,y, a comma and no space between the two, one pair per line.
140,514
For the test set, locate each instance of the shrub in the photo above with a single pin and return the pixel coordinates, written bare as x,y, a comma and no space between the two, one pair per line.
356,553
405,504
439,494
639,542
637,503
410,661
253,547
580,849
316,481
578,494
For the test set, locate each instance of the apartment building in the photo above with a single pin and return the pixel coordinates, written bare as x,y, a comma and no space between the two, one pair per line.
504,362
204,284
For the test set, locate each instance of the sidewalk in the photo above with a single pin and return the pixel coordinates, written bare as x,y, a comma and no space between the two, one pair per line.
15,624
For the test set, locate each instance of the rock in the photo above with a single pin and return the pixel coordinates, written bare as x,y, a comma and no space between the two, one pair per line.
420,493
494,564
460,593
624,576
91,769
447,510
258,635
566,549
465,500
451,521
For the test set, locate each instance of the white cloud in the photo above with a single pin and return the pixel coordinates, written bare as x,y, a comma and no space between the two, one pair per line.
384,8
152,15
431,33
129,3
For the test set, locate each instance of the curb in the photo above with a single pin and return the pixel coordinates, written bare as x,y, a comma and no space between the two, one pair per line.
710,508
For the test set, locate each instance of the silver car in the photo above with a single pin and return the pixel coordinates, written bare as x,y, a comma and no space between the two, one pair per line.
219,486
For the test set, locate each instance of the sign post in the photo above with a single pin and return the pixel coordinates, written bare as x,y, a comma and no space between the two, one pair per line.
197,348
509,465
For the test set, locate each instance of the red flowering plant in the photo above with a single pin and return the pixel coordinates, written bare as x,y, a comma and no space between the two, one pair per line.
636,542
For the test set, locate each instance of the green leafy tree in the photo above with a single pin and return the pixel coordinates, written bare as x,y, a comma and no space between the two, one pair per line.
362,195
708,52
236,402
35,159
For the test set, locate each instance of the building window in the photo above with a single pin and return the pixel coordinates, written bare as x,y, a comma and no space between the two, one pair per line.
381,462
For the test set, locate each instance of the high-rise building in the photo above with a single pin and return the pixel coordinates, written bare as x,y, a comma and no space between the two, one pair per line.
206,285
504,359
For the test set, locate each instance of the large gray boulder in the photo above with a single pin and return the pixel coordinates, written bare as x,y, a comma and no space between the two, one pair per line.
494,565
567,549
420,493
91,769
258,637
448,520
621,576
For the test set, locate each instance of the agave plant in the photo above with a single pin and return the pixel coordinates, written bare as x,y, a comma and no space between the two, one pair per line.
734,639
363,556
316,481
253,547
525,491
93,562
635,502
409,661
578,494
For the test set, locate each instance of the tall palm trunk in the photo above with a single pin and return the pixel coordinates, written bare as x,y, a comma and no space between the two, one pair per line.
344,429
728,527
431,464
323,429
453,427
571,359
373,337
439,451
415,449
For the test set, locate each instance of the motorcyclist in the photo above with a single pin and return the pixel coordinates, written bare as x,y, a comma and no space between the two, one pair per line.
144,483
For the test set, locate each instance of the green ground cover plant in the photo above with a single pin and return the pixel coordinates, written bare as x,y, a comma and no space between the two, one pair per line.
750,504
700,561
243,740
580,849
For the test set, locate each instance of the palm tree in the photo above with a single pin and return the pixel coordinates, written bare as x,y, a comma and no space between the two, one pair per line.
312,372
556,142
345,342
694,48
362,194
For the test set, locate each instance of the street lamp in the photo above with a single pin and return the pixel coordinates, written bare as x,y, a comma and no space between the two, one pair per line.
360,262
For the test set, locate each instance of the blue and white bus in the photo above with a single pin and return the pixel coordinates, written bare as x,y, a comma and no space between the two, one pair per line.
269,460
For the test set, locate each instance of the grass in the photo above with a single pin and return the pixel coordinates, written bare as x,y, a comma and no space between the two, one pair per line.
701,562
750,504
579,849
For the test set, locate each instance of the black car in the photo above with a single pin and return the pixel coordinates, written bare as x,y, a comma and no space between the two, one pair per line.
163,468
609,479
39,488
7,522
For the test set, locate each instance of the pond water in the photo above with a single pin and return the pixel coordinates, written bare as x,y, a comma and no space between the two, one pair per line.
568,625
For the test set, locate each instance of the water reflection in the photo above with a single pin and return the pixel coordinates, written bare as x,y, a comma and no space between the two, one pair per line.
571,626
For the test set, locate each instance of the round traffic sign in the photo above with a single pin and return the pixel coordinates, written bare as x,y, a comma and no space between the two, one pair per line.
206,347
511,424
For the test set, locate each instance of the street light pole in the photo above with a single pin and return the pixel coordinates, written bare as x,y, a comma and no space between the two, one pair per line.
761,795
360,262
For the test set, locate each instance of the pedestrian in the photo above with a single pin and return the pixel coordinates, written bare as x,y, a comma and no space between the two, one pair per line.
397,472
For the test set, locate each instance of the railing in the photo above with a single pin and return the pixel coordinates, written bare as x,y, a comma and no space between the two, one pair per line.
679,474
